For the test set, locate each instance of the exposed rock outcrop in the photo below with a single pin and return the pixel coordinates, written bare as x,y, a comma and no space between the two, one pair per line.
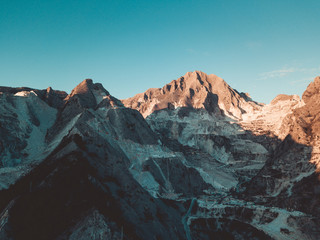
197,90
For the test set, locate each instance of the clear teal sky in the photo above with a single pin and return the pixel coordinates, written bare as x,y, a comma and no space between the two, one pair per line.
264,47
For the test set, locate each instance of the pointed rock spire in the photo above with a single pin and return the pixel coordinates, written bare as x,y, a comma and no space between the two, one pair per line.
83,93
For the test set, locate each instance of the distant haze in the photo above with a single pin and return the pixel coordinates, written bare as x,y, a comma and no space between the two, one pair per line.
261,47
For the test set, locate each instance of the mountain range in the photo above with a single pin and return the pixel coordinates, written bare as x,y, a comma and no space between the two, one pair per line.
195,159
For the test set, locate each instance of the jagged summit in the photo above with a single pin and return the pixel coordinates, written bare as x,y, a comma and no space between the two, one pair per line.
90,95
197,90
197,79
86,87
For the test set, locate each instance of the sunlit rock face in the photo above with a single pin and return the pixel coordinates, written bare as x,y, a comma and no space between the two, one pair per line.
269,120
196,90
192,160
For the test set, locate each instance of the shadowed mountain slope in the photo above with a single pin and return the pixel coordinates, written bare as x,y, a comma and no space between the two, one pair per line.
206,162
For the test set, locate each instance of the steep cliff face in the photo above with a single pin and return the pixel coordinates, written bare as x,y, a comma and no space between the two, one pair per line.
312,92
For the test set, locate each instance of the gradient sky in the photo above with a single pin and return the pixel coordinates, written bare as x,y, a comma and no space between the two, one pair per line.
261,47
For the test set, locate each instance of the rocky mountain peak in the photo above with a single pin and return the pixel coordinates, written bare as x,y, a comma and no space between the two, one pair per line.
83,92
197,90
90,94
197,81
312,90
86,95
